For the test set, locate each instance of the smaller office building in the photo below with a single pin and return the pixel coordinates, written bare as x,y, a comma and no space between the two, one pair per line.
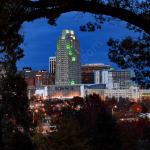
81,90
54,91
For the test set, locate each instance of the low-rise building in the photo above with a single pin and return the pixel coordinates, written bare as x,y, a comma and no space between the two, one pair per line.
54,91
81,90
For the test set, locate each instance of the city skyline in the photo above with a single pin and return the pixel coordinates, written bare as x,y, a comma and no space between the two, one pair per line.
40,39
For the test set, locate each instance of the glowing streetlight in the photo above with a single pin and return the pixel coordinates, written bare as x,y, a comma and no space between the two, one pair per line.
112,110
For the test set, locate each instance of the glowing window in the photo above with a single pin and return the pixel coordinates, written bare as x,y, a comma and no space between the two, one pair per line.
70,53
68,46
73,59
72,82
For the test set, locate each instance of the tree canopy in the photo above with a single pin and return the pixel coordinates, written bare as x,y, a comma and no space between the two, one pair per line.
90,127
134,12
133,54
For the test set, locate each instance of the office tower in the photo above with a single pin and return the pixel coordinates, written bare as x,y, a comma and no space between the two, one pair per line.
118,79
123,78
88,72
52,65
68,59
42,77
37,78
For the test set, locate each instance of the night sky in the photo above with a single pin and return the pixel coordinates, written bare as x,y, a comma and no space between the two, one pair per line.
40,39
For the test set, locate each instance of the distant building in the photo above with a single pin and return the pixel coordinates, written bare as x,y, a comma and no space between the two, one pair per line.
88,72
114,79
42,77
29,76
35,79
52,65
68,71
133,92
60,92
64,92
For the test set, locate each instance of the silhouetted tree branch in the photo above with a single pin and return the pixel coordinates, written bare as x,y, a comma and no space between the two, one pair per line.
133,54
122,11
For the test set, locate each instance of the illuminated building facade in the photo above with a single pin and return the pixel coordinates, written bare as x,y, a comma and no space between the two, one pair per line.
67,91
52,65
42,77
59,91
68,70
88,72
115,79
37,78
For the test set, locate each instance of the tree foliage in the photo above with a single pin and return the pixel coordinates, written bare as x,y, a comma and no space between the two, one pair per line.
15,118
133,54
91,127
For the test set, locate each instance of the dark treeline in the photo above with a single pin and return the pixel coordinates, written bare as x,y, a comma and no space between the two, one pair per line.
92,127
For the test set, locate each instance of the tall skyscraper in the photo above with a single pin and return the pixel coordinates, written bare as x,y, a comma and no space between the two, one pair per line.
52,65
68,69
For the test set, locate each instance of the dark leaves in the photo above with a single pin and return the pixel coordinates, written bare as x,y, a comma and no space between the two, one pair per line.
88,27
134,54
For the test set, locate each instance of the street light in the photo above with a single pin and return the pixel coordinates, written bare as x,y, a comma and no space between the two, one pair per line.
112,110
34,111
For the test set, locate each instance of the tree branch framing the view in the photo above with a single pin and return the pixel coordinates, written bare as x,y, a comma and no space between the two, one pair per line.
46,8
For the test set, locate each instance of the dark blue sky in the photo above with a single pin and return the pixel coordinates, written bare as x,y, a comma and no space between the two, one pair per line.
40,39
